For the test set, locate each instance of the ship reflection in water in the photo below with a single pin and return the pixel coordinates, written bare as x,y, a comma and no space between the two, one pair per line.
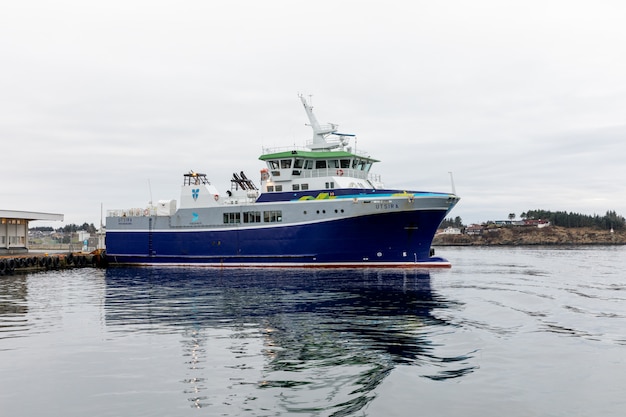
297,341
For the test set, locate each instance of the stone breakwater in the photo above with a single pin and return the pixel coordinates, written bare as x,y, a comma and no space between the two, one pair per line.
519,236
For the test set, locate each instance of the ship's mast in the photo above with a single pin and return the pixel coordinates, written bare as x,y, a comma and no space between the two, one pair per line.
319,131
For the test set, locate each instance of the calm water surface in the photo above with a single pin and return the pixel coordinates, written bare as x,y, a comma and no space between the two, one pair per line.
505,332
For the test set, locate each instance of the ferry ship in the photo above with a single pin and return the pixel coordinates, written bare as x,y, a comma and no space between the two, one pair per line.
318,206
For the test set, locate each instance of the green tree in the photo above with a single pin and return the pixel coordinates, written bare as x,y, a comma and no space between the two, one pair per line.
450,222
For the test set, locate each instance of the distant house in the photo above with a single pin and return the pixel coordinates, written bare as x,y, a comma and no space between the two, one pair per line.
474,230
451,231
509,222
83,235
537,223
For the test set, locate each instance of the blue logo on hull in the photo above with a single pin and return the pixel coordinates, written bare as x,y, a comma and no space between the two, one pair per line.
195,193
194,217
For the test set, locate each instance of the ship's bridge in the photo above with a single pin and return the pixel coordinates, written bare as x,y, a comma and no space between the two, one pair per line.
327,162
313,169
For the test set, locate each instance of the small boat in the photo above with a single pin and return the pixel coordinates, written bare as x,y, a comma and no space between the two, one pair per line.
317,206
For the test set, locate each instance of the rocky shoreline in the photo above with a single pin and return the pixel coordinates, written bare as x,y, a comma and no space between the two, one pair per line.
522,236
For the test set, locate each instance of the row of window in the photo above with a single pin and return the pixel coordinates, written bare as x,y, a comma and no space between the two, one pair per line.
270,216
358,164
11,221
296,187
13,240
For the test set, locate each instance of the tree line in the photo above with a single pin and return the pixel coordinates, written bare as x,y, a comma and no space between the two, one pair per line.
70,228
611,220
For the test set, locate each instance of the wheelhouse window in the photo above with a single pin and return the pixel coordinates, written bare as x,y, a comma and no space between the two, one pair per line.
273,164
333,163
308,164
345,163
298,164
273,216
285,163
320,164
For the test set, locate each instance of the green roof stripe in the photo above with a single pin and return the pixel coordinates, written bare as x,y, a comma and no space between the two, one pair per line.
314,155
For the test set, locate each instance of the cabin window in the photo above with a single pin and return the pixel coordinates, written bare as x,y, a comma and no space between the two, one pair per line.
330,184
252,217
279,188
231,218
304,186
273,216
308,164
270,188
295,187
299,163
273,164
320,164
345,163
285,163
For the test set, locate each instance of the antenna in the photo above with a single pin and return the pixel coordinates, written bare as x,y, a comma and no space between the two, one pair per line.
150,189
452,182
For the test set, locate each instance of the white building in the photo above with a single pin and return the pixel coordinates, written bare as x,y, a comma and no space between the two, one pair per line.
14,229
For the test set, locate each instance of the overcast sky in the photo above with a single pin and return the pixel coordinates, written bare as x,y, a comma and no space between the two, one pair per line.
109,103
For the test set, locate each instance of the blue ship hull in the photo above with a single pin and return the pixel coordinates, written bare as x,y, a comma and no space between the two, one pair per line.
384,239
